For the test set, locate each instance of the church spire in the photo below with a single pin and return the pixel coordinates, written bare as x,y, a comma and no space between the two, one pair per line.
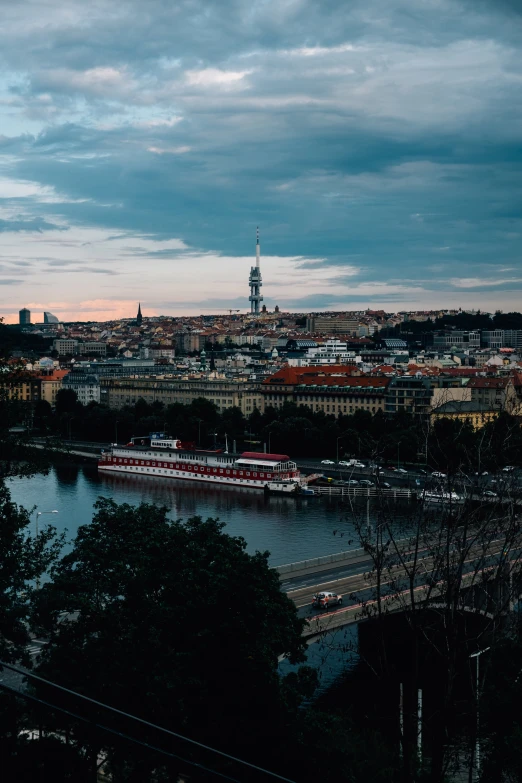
139,317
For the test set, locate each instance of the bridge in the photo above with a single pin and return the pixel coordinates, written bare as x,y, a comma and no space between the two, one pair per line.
351,575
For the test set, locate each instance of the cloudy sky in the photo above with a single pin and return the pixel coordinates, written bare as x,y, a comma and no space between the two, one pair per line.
377,143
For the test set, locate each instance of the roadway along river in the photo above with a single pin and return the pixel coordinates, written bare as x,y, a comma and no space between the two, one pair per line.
290,529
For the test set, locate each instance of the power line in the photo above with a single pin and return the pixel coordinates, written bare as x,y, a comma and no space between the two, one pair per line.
120,734
144,722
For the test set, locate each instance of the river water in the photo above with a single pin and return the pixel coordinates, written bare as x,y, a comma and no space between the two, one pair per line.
291,529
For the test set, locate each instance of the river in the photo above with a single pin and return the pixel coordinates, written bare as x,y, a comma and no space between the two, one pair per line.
291,529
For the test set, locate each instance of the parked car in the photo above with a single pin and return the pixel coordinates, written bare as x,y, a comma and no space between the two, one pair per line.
488,493
353,483
384,485
366,483
325,600
327,462
343,462
438,474
359,465
508,468
390,467
401,470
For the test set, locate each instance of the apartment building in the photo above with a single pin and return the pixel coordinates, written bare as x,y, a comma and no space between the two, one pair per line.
409,394
457,338
15,387
85,385
476,413
50,385
330,389
117,392
494,393
324,324
65,346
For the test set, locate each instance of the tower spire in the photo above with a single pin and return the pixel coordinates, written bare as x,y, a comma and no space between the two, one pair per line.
255,281
139,317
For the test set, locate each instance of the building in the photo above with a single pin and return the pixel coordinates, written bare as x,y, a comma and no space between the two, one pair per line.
24,317
15,386
49,318
255,281
502,338
493,338
50,385
456,338
65,346
409,394
92,349
476,413
119,368
139,317
223,392
84,384
494,393
330,389
332,352
328,324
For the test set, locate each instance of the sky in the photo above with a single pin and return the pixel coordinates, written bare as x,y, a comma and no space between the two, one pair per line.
376,143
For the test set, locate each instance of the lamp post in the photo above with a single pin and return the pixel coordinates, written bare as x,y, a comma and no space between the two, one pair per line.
337,443
37,533
477,743
116,431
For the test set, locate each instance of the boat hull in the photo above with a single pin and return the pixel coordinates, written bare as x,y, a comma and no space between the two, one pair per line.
176,475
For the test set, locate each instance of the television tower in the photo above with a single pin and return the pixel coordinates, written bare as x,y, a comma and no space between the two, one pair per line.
255,281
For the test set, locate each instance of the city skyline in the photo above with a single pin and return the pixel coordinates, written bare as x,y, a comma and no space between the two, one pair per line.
376,148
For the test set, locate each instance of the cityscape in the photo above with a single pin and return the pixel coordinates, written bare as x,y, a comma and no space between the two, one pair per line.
260,392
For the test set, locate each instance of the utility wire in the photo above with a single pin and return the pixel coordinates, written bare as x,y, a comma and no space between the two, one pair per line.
100,726
144,722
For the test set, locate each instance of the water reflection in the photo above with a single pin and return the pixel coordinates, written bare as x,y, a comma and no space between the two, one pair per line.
291,529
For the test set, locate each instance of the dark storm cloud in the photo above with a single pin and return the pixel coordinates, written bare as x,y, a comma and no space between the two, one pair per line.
378,135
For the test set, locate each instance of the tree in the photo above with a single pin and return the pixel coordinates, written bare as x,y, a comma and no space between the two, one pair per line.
176,623
23,560
66,401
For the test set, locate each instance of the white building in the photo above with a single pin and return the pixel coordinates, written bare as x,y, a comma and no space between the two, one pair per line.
86,386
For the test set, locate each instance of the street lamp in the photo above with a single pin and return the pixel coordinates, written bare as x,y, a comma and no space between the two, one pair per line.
199,431
477,745
36,532
116,431
337,444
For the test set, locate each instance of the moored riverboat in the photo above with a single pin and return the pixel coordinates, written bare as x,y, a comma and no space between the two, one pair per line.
165,457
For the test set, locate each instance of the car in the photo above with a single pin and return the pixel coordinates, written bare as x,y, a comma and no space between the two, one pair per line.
359,465
342,462
325,600
401,470
385,485
508,468
390,467
327,462
438,474
353,483
366,483
488,493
